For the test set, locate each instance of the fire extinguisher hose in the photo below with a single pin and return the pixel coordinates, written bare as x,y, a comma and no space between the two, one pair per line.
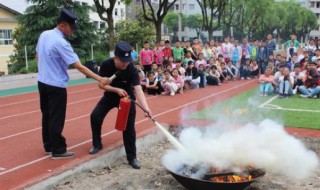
171,138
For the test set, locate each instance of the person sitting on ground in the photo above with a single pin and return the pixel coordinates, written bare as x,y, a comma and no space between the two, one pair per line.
200,60
297,78
160,74
223,72
254,69
154,68
139,68
192,78
265,82
178,80
211,61
246,70
169,67
271,66
153,85
285,84
187,58
181,70
277,76
311,87
202,74
171,62
143,80
318,65
214,76
169,85
232,70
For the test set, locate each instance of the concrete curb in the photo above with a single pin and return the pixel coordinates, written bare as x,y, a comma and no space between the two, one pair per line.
101,161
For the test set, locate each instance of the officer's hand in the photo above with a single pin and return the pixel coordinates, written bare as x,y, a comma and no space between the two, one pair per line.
121,92
147,112
105,81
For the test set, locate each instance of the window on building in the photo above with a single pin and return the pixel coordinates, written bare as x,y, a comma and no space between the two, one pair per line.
118,2
318,4
6,37
191,6
84,3
177,7
317,15
96,23
122,12
138,1
311,4
115,12
102,24
183,5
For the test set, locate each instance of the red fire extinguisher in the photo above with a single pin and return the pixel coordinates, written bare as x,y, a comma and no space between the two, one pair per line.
123,114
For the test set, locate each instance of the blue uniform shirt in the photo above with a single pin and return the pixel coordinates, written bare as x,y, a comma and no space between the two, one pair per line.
55,55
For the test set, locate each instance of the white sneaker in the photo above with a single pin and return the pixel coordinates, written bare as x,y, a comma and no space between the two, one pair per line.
294,91
248,78
172,93
315,96
242,78
304,96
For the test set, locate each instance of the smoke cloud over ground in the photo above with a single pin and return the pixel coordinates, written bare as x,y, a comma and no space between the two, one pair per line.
264,145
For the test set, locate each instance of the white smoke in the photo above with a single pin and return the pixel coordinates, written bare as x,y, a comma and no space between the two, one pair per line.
265,145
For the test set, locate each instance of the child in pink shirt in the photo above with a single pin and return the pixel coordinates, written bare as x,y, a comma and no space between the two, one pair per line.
158,54
178,80
146,56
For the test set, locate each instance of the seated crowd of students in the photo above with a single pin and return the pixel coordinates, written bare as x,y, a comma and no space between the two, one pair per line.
169,70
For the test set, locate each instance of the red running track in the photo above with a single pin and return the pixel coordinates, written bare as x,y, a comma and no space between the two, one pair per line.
22,160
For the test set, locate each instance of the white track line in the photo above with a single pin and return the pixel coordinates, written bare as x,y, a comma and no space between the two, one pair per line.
271,106
37,99
2,169
31,130
267,102
143,120
290,109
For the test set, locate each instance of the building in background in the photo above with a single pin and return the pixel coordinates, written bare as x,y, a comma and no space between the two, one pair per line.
8,23
119,12
191,7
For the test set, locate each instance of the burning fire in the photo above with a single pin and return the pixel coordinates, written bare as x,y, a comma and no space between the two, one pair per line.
230,177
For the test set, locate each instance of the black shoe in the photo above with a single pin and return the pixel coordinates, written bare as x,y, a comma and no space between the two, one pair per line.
63,156
135,164
95,149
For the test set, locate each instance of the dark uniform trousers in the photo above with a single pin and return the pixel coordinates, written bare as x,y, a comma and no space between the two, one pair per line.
98,114
53,104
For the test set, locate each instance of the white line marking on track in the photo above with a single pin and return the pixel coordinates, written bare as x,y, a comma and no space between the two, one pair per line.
2,169
31,130
36,99
268,101
38,110
290,109
272,106
143,120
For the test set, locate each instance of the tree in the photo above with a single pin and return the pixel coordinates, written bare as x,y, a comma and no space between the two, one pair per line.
171,21
105,14
211,9
42,16
156,17
135,30
195,22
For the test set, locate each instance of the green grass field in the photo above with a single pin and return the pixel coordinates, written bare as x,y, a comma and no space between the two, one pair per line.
293,112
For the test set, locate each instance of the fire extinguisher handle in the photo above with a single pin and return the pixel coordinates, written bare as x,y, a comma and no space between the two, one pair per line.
148,114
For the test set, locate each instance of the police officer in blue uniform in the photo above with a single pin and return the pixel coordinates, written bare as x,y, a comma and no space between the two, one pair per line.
54,56
126,83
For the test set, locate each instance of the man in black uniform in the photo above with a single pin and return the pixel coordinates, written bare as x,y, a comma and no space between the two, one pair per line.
126,83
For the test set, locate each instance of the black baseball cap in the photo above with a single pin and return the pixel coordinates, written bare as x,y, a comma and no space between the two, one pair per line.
69,17
123,51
